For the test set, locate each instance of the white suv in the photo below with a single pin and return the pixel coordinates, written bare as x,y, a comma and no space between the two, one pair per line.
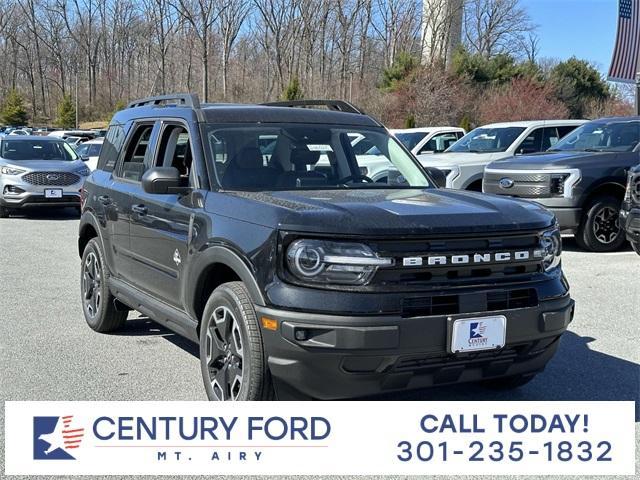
463,163
428,140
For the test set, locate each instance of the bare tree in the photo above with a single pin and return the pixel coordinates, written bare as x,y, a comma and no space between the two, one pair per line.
495,26
231,20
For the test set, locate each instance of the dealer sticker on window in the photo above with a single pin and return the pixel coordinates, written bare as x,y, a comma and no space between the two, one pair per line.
481,333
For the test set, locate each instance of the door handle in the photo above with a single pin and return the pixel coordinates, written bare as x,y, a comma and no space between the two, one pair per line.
139,209
104,199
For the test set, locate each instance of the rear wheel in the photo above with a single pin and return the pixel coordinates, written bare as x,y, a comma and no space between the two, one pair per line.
97,302
599,229
232,356
508,383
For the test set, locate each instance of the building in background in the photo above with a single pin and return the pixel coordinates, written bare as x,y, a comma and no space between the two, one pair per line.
441,30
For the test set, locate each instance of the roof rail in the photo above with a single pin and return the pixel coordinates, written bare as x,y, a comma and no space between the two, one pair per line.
181,99
336,105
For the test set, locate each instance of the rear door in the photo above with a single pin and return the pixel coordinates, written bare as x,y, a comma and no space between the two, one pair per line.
161,224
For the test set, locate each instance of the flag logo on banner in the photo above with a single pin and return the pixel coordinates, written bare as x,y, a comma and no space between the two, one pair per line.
624,64
55,437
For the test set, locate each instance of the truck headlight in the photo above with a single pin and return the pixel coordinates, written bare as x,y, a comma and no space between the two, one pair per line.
551,249
627,193
562,183
322,262
450,173
84,171
11,171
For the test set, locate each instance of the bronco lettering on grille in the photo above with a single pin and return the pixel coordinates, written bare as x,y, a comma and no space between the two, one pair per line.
472,259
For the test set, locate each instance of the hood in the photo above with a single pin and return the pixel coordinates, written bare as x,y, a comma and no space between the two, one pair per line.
448,159
385,212
45,165
554,160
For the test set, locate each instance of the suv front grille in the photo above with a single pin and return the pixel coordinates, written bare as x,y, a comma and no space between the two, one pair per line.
57,179
529,185
491,301
407,277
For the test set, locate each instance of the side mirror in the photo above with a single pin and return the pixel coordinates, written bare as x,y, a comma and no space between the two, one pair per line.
84,158
437,176
162,180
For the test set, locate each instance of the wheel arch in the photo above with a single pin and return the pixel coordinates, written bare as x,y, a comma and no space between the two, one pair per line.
88,229
607,187
215,266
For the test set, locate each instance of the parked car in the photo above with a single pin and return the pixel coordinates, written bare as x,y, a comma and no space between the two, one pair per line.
89,134
75,142
89,152
305,283
39,171
421,141
19,131
630,213
581,179
463,163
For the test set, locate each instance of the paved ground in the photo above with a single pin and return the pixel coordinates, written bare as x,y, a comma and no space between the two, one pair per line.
48,353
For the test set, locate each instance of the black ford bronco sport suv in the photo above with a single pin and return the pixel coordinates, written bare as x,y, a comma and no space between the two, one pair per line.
255,231
581,179
630,212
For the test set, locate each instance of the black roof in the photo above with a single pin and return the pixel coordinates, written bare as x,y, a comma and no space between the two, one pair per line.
616,119
188,106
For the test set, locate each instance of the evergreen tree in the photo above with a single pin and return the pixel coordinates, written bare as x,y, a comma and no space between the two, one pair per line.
578,84
293,90
66,113
13,112
403,66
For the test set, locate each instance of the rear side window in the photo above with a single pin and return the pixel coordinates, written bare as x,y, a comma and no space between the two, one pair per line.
133,165
113,142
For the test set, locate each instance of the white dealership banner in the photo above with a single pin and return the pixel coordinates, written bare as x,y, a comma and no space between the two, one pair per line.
330,438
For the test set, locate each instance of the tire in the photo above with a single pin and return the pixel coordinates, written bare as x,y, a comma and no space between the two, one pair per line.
599,229
475,186
97,302
232,356
508,383
636,247
4,212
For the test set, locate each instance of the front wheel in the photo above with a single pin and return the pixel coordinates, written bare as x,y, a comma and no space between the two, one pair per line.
599,229
232,355
636,247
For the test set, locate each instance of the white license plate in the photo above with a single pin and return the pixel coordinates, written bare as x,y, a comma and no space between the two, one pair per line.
53,193
481,333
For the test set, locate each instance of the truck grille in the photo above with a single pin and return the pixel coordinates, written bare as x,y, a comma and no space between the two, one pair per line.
635,189
527,185
405,276
57,179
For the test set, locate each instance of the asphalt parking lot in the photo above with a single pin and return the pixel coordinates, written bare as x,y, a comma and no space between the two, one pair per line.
48,353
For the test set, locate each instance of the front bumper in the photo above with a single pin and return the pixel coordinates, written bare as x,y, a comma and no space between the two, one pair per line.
568,218
630,223
351,356
34,195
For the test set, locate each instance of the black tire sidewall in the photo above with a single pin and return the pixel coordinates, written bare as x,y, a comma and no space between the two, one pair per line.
586,238
252,359
95,323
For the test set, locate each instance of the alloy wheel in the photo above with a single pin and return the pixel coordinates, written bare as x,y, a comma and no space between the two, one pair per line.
606,225
225,360
91,279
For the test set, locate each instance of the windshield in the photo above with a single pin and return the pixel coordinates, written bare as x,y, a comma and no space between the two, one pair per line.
601,136
410,140
487,140
304,157
17,150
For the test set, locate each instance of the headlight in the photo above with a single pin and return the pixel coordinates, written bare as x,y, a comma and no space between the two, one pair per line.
551,246
562,183
84,171
320,261
627,193
450,173
11,171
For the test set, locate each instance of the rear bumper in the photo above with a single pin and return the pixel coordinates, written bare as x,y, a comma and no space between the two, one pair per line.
349,356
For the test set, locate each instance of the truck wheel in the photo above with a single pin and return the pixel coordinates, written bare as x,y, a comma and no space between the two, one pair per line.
508,383
636,247
4,212
97,302
599,230
231,351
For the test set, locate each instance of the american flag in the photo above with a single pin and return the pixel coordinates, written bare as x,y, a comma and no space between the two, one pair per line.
624,64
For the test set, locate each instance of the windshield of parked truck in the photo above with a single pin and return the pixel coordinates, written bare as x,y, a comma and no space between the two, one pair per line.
487,140
410,140
312,156
23,149
602,136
